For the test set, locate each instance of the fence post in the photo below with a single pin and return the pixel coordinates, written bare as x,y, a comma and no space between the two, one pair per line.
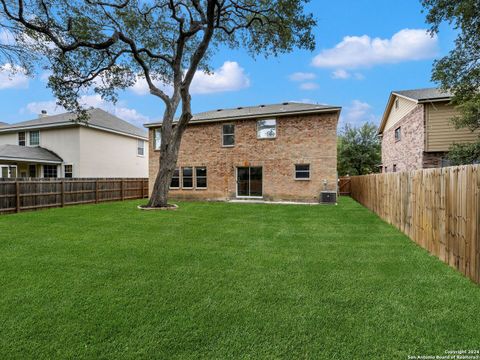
143,188
96,191
62,184
17,193
121,190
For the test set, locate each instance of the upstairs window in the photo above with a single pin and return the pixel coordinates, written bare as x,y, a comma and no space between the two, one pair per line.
22,139
201,177
141,148
267,129
68,171
175,184
398,134
187,177
157,139
302,172
228,135
34,137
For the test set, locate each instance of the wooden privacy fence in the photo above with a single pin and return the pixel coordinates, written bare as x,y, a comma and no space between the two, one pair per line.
344,185
439,209
28,194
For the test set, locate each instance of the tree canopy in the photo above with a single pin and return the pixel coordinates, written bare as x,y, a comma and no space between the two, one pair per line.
359,150
459,71
108,45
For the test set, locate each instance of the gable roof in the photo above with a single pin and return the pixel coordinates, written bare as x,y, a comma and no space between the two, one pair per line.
419,96
247,112
34,154
99,119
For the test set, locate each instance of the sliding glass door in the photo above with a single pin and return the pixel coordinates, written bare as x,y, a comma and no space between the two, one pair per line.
249,182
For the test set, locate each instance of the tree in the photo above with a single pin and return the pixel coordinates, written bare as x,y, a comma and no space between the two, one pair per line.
459,71
358,150
111,44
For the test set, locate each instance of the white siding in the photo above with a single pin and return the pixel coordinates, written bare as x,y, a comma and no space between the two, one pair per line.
65,142
396,114
104,154
9,139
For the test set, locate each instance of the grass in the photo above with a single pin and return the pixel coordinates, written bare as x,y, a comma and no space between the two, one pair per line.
219,281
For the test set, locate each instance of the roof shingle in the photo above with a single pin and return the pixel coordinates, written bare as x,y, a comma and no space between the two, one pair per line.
37,154
424,94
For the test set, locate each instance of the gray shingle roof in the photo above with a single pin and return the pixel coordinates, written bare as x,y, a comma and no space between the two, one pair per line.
37,154
98,118
259,110
424,94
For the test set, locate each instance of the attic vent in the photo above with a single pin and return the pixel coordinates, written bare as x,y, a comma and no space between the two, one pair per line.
262,105
239,108
285,103
219,109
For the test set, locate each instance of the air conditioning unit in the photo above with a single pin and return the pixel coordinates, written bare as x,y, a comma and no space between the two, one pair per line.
328,197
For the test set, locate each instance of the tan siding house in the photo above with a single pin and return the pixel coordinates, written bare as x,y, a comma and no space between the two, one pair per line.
417,130
60,146
281,152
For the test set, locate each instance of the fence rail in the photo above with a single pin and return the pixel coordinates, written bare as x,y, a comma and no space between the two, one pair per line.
439,209
28,194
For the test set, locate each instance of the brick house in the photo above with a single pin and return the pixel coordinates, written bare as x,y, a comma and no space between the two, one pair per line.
417,130
273,152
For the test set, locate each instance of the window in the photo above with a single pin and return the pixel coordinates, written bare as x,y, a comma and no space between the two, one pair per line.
398,134
175,184
68,171
32,171
21,139
266,129
9,171
141,148
157,139
187,177
34,138
201,177
228,135
302,172
396,104
394,168
50,171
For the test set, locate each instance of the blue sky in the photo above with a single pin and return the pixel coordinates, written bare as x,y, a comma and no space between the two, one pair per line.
365,49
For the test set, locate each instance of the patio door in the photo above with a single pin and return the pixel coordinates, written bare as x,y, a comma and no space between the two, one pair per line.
250,182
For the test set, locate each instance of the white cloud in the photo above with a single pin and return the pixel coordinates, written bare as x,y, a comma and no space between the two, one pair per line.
343,74
309,86
120,109
229,77
13,77
302,76
364,51
357,113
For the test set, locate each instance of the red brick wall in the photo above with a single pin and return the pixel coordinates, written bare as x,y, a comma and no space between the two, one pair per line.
308,139
407,153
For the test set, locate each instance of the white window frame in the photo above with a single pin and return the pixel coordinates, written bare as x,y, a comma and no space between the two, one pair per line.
179,179
24,138
157,135
9,170
267,137
228,134
139,141
206,177
64,171
309,171
183,177
30,137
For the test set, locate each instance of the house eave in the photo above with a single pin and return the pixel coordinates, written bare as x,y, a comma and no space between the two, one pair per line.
253,116
37,161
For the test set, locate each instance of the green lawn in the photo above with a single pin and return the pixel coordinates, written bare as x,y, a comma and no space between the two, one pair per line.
217,280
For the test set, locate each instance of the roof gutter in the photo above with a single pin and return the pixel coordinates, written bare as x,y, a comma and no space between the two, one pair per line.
40,161
253,116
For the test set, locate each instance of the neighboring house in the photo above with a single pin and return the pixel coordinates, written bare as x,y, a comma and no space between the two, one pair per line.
417,130
274,152
61,146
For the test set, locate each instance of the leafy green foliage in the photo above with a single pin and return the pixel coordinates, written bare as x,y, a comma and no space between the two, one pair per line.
359,150
464,154
459,71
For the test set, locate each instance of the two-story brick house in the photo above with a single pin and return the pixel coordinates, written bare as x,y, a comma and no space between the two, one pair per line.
60,146
273,152
417,130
